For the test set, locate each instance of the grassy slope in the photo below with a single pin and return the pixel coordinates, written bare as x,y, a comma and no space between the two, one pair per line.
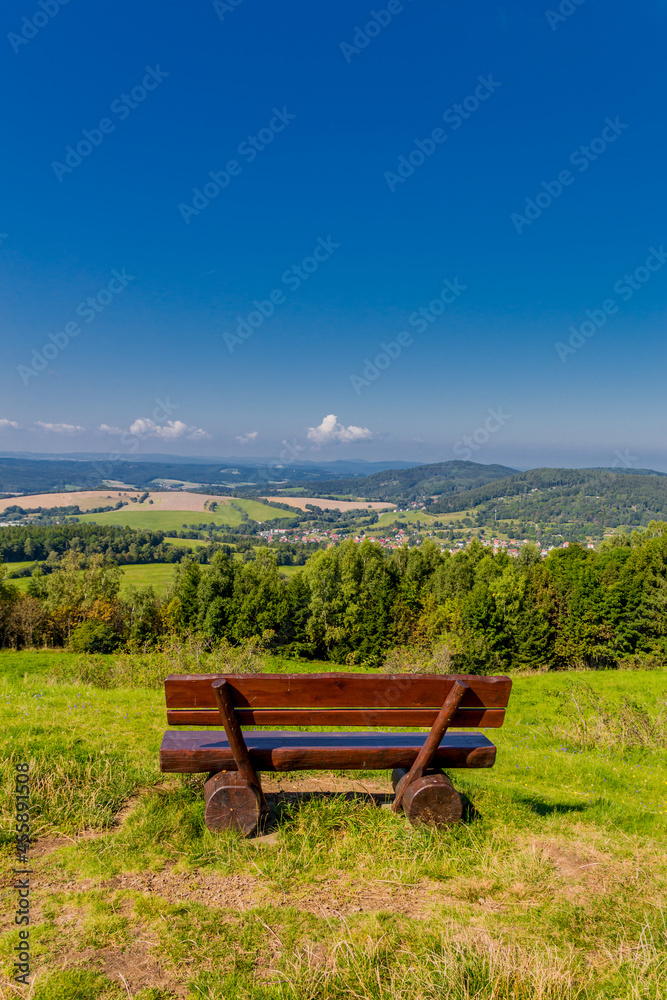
550,890
412,517
187,543
157,575
148,517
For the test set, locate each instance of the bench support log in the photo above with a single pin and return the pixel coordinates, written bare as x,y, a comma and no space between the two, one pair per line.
432,742
231,803
235,738
431,799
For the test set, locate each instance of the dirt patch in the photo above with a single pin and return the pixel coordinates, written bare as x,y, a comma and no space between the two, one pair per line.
571,864
135,968
231,892
333,897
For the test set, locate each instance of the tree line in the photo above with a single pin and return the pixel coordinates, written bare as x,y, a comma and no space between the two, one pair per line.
359,603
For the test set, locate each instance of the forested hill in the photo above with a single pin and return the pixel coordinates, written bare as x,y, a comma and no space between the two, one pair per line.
596,496
415,483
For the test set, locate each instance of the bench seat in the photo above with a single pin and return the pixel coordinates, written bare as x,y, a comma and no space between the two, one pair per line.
279,750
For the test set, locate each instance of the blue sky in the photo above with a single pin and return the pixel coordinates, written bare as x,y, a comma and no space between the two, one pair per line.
305,113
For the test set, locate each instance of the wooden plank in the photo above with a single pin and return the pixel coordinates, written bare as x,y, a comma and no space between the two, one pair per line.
192,752
194,691
464,718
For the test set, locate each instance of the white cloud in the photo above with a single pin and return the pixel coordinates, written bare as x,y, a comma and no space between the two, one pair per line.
330,431
145,427
59,428
248,436
6,424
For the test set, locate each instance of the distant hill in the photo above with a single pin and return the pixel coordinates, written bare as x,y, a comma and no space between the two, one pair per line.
414,483
19,474
599,497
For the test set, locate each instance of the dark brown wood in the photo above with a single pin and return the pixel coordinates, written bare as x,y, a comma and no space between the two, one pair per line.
433,740
464,718
374,691
235,738
430,800
231,803
193,752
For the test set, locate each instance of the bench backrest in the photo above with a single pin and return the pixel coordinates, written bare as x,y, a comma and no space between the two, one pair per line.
336,699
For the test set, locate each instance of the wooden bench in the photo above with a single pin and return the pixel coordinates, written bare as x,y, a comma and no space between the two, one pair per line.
233,791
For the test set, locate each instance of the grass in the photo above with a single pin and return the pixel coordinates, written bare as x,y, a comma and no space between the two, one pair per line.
553,888
188,543
156,575
14,567
147,517
413,516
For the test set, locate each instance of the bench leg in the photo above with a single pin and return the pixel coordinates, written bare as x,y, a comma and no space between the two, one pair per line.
232,803
432,741
431,799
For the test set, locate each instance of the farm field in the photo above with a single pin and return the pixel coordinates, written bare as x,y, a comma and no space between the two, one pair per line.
171,517
82,498
301,502
552,889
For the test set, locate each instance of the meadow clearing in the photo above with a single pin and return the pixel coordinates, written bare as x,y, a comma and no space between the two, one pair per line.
302,502
155,575
553,888
173,511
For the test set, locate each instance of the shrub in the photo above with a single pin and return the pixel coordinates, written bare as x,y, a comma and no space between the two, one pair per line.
94,637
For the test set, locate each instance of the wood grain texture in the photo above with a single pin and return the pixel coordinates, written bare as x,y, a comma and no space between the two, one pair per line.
429,800
464,718
231,803
318,691
192,752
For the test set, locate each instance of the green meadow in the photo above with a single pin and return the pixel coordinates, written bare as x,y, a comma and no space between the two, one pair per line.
552,888
153,519
156,575
415,516
187,543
